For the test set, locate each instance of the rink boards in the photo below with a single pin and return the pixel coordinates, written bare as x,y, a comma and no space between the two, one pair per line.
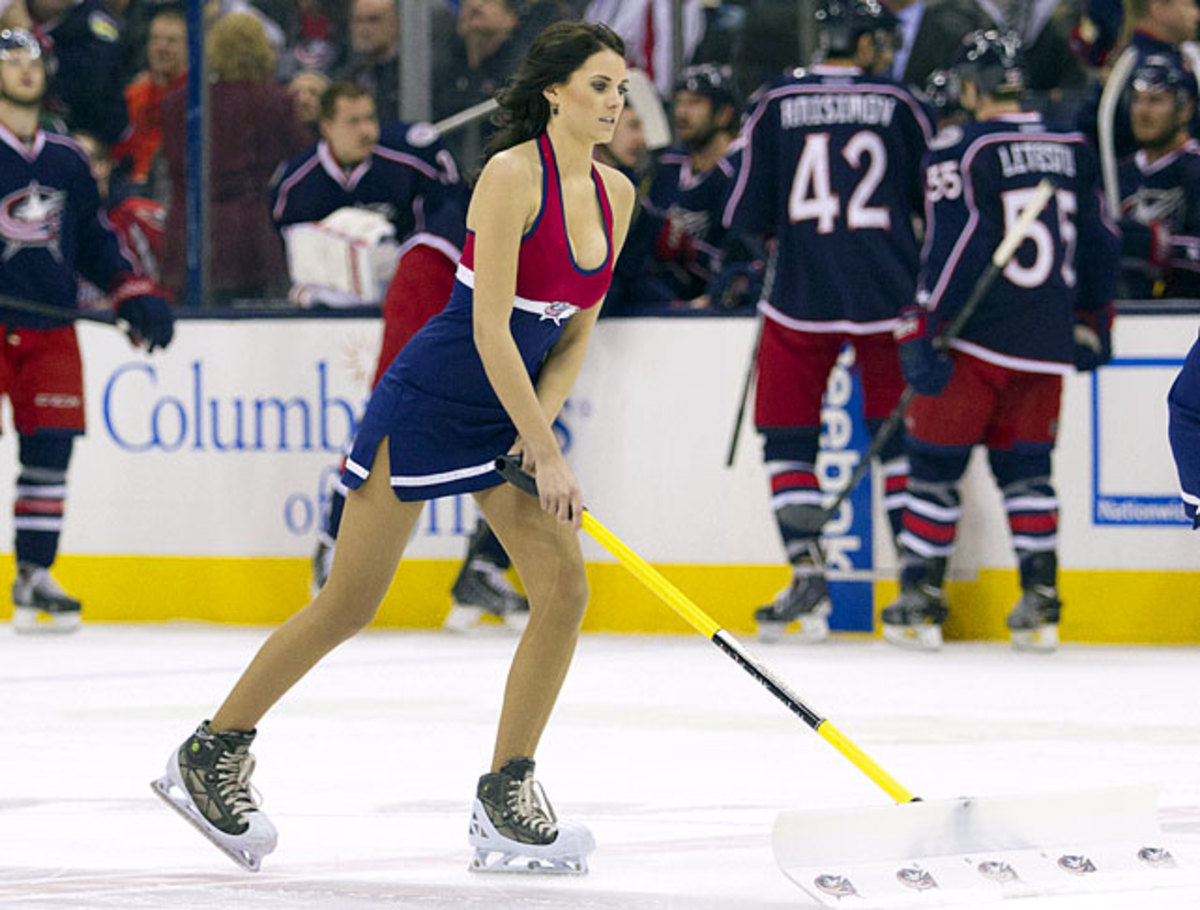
199,485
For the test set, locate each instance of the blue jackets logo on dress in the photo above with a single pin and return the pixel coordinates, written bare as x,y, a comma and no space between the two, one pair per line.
558,311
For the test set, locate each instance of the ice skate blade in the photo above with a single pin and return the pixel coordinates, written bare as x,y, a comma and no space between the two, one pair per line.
464,618
915,638
810,629
32,621
566,855
1042,640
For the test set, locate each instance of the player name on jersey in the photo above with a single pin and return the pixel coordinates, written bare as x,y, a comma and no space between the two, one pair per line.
1018,158
823,110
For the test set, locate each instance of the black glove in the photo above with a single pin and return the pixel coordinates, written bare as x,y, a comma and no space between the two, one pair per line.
738,284
141,303
1093,338
925,368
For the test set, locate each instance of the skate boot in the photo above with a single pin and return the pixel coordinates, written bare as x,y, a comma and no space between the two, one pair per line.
322,562
39,604
482,590
1033,622
915,619
514,829
805,601
208,783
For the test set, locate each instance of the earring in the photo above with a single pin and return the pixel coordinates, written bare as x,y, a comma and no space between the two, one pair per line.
554,110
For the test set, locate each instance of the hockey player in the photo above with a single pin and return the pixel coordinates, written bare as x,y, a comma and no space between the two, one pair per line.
406,173
1047,314
1183,406
831,167
51,226
1160,186
691,184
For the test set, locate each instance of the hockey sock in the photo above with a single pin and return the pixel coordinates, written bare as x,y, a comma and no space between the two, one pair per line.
40,495
894,462
932,512
1029,500
790,455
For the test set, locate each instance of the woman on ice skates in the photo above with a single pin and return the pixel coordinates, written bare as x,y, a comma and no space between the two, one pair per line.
484,377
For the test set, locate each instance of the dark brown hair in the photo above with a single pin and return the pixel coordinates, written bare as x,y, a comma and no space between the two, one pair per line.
351,91
556,53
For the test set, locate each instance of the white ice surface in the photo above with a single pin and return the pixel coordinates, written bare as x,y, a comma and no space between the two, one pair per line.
673,756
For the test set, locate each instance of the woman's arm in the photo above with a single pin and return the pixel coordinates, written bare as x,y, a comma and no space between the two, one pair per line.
562,366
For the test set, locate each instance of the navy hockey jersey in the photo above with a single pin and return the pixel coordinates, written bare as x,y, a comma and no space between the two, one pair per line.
691,203
51,227
1183,405
979,177
1165,193
831,168
409,178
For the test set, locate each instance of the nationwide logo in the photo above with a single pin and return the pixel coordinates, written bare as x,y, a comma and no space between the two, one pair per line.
558,311
1159,857
836,885
32,217
997,871
1076,864
916,878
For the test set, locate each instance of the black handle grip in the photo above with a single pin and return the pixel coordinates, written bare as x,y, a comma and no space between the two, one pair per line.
509,467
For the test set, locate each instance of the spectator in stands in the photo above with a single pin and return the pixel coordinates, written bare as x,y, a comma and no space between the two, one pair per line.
14,14
86,89
137,220
306,89
646,27
930,35
218,9
253,130
1160,28
1095,32
473,64
374,58
166,69
1160,186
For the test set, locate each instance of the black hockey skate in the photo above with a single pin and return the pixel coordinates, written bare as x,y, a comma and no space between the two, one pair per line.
915,619
1033,622
208,783
40,604
481,590
805,602
514,829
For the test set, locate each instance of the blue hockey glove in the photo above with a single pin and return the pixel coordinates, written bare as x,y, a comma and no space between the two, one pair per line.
925,369
1093,338
141,303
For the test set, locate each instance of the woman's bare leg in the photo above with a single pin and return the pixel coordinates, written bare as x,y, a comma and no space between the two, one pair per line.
374,532
548,558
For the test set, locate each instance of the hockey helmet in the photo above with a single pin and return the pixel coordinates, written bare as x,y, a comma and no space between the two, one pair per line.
711,80
992,60
840,23
941,91
18,39
1163,73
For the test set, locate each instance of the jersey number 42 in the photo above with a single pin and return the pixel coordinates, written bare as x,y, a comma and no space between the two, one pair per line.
812,197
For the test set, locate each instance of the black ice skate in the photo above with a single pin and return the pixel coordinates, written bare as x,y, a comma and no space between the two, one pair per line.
1033,622
322,562
514,829
208,783
915,619
804,602
482,590
40,604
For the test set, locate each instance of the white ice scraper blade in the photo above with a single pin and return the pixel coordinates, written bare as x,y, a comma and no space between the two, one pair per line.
926,853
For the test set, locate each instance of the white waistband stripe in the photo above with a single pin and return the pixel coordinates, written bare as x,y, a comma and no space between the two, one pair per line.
554,310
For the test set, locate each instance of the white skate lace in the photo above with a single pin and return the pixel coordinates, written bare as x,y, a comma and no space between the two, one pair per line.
233,783
528,802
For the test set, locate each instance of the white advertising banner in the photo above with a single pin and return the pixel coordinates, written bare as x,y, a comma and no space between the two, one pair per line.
225,445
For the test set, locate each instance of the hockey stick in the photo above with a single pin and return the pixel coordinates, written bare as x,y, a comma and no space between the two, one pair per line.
50,311
1008,246
510,468
752,366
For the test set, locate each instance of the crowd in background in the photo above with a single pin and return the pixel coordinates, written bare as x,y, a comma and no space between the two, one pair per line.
119,79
